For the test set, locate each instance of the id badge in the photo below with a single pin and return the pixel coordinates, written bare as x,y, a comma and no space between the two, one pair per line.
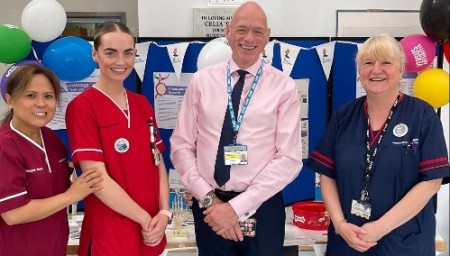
235,154
157,157
361,209
248,227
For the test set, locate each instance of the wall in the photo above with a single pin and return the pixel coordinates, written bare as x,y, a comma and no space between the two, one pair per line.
11,11
173,18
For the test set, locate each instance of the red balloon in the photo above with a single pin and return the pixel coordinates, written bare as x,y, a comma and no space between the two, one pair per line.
446,47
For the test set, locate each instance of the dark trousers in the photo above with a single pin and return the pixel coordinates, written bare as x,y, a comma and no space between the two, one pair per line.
269,239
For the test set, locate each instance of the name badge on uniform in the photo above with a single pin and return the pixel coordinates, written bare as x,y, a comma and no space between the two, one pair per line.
157,156
361,209
235,155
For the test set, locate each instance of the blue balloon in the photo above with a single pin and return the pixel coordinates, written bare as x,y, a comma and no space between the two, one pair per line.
70,58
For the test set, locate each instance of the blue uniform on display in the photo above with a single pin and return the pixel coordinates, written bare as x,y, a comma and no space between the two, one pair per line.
412,150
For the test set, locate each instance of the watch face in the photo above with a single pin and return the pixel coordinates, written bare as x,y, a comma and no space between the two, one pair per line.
207,201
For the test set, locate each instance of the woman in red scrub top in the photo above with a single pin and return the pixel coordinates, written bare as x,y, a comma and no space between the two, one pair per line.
114,130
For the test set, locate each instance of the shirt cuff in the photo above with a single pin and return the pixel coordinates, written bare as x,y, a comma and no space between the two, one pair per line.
241,206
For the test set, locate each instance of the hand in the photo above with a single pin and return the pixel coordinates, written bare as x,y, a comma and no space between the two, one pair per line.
156,230
234,233
351,234
145,223
374,232
88,182
220,216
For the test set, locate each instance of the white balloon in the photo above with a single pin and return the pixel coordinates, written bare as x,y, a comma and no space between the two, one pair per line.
44,20
215,51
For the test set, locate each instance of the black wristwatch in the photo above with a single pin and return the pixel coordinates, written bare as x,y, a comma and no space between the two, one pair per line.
208,199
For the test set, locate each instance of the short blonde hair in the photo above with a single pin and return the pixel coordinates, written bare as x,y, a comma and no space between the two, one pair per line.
381,47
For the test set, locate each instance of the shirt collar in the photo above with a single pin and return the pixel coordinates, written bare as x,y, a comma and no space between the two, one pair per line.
253,69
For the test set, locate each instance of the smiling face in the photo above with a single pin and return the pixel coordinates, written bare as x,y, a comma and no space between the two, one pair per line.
380,76
247,34
115,56
380,64
35,106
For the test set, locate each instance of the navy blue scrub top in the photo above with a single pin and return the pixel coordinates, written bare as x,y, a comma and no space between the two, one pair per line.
401,163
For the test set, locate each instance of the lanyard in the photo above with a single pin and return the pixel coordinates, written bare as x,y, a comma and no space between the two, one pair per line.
371,154
237,124
155,151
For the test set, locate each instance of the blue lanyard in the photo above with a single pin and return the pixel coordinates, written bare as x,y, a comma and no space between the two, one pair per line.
237,124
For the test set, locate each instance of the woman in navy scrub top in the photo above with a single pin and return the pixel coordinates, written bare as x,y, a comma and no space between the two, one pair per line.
381,161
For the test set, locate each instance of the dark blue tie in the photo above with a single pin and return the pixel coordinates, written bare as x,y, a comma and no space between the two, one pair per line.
222,171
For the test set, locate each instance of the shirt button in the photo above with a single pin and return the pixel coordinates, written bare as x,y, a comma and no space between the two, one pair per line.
246,214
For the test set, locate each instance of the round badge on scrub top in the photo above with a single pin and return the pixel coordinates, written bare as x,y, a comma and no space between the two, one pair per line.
400,130
121,145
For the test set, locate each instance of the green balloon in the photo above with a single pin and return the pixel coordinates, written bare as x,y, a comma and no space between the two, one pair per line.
15,44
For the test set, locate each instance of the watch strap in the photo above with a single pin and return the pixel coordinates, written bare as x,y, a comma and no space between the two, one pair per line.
166,213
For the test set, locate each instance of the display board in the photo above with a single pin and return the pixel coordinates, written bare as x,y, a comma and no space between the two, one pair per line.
365,23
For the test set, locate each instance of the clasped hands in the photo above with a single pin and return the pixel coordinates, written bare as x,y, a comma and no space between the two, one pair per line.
223,220
153,229
361,238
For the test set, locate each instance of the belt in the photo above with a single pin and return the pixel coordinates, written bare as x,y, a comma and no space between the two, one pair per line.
226,196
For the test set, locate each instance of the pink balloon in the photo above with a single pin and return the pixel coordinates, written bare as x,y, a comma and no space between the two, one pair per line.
420,51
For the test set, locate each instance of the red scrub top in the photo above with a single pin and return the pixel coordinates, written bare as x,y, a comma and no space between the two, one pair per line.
100,131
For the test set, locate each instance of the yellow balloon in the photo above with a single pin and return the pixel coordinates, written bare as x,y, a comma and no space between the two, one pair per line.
432,86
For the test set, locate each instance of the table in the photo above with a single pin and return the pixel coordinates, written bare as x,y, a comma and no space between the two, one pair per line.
306,240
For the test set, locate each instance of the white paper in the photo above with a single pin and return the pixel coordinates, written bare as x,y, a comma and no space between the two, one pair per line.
303,94
304,124
69,90
169,95
175,180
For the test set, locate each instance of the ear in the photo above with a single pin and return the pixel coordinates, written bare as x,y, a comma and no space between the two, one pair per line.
94,55
9,100
227,31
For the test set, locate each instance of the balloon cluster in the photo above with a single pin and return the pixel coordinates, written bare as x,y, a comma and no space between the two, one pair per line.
44,21
432,84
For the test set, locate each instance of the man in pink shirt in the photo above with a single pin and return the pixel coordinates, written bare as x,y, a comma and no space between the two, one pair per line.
244,215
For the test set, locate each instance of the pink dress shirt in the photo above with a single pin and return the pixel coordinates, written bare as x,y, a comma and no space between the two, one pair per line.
270,129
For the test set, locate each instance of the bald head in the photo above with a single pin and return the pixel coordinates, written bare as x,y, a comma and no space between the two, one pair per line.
247,34
250,9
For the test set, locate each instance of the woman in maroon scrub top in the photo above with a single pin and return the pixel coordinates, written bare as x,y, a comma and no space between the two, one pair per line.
34,175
